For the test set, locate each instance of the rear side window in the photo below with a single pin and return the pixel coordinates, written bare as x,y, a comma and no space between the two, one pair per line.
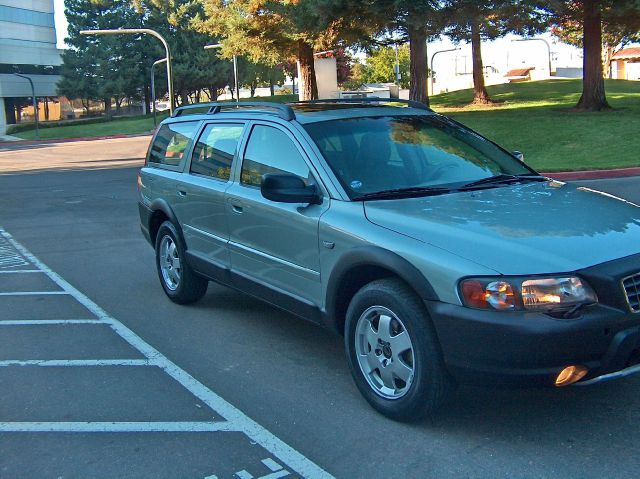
171,142
214,152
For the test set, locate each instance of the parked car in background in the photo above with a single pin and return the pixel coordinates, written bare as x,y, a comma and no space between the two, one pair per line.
439,256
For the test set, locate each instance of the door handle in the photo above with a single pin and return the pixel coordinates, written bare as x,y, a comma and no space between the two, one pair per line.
182,193
237,209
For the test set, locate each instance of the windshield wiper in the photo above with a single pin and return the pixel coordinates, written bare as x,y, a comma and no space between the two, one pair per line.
502,179
402,193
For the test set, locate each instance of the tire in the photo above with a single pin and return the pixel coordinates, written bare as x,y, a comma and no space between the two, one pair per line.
178,280
397,364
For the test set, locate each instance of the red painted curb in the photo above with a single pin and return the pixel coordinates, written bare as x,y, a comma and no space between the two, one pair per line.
69,140
594,174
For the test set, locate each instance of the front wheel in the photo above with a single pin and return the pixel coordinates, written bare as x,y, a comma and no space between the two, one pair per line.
180,283
393,351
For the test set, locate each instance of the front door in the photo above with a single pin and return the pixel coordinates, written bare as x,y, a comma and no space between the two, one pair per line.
274,244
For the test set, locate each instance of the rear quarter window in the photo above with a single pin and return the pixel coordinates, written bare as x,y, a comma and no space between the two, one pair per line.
171,143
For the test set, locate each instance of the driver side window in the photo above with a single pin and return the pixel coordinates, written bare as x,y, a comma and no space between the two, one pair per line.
270,150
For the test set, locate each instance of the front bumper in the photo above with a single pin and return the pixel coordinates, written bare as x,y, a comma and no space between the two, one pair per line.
524,348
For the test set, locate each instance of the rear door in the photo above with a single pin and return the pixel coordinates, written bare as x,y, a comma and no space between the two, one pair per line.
202,206
274,244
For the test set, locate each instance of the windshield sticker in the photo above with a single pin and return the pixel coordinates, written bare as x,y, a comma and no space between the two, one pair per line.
356,184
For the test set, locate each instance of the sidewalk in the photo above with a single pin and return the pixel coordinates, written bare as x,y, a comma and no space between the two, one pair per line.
7,140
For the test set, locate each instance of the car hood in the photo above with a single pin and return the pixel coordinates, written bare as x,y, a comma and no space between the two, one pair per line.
532,228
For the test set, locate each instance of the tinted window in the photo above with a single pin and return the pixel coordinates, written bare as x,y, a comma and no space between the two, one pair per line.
374,154
214,152
171,142
271,151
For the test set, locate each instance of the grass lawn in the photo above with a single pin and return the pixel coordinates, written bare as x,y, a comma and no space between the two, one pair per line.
116,127
536,120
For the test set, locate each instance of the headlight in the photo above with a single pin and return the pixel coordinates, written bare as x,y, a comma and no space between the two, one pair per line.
556,293
530,294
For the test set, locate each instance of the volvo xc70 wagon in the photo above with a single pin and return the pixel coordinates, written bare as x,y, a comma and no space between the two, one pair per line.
439,256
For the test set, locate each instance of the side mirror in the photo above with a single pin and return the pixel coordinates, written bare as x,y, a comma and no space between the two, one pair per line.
288,189
519,155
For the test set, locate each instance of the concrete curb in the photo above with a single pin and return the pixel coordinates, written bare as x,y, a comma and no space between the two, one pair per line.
70,140
594,174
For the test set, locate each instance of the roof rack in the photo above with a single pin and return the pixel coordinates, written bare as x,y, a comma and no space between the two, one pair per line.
372,99
283,111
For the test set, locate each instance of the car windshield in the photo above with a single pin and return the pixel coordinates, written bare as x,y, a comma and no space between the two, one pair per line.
370,155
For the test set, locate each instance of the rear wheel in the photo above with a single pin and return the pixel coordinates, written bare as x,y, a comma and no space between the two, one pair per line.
393,351
180,283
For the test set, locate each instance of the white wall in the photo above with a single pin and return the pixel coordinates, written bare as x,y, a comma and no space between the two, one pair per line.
14,86
3,118
37,5
326,76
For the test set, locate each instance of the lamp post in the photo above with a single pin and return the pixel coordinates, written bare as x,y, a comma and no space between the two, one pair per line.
153,88
397,67
537,40
432,58
35,102
137,31
235,69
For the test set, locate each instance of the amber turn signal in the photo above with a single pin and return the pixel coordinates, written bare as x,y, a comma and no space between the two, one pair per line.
570,375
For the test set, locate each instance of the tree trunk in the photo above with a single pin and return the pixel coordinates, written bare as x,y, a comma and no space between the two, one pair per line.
184,97
607,52
272,88
146,91
593,94
418,67
46,108
107,108
480,94
307,72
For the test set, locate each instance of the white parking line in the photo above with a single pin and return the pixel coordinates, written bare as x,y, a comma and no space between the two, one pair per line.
35,293
20,271
237,419
41,322
178,426
77,362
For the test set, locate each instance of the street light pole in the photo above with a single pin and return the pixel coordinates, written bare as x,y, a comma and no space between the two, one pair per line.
153,88
136,31
35,101
235,69
538,40
397,68
432,58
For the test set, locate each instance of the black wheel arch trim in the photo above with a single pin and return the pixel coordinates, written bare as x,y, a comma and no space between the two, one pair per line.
161,205
376,257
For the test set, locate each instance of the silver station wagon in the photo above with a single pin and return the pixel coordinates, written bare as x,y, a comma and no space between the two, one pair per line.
439,256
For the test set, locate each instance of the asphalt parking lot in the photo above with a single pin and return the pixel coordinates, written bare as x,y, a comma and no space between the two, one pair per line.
103,377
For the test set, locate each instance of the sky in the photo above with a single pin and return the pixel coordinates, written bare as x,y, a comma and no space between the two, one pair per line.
61,22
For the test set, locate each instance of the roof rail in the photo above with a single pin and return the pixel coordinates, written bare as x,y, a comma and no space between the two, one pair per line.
372,99
283,111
